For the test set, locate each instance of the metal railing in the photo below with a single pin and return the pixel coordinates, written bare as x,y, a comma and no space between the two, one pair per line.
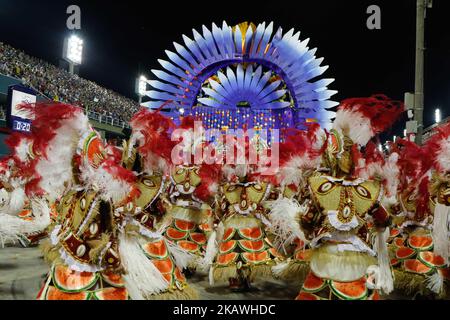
107,120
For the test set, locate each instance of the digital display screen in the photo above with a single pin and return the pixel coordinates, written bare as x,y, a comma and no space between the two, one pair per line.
18,98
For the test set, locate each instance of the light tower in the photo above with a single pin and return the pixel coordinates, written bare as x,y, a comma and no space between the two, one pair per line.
437,116
141,87
73,51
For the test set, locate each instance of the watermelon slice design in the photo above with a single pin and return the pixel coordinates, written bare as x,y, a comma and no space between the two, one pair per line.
252,246
183,225
421,243
54,293
313,283
394,232
355,290
307,296
179,275
431,260
229,234
164,266
251,233
226,247
227,259
111,294
175,234
256,258
394,262
404,253
189,246
113,279
70,281
399,242
156,249
415,266
198,238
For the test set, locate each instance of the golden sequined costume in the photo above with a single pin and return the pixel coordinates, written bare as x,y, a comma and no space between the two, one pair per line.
83,249
410,239
94,251
150,218
240,248
190,216
244,249
342,217
193,184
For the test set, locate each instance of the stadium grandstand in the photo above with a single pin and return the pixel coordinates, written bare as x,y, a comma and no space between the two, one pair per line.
108,111
56,84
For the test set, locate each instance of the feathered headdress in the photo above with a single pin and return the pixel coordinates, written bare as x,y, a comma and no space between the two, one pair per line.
371,163
438,149
56,130
361,119
102,170
301,151
151,133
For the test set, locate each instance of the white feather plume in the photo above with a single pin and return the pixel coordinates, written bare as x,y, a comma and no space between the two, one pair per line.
16,201
181,257
13,228
142,278
101,180
382,273
443,158
356,126
56,168
440,231
284,216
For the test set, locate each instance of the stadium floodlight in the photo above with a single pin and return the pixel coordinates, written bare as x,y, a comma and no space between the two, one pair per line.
73,49
142,88
437,116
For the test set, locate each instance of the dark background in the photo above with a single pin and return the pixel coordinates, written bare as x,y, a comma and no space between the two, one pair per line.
125,38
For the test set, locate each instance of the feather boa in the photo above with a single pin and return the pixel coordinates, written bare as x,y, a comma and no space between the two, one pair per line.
380,276
142,278
284,217
13,228
440,231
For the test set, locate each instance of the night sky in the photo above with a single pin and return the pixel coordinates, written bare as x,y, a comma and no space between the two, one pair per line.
125,39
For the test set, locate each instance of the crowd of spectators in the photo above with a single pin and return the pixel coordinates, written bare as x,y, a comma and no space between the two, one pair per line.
60,85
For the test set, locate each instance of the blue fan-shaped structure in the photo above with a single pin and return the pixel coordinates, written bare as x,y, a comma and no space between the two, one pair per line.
244,88
245,70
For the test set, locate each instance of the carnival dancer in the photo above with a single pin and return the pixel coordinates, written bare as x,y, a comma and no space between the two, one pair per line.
438,147
300,157
148,152
91,253
18,221
343,208
410,234
82,250
240,250
193,184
